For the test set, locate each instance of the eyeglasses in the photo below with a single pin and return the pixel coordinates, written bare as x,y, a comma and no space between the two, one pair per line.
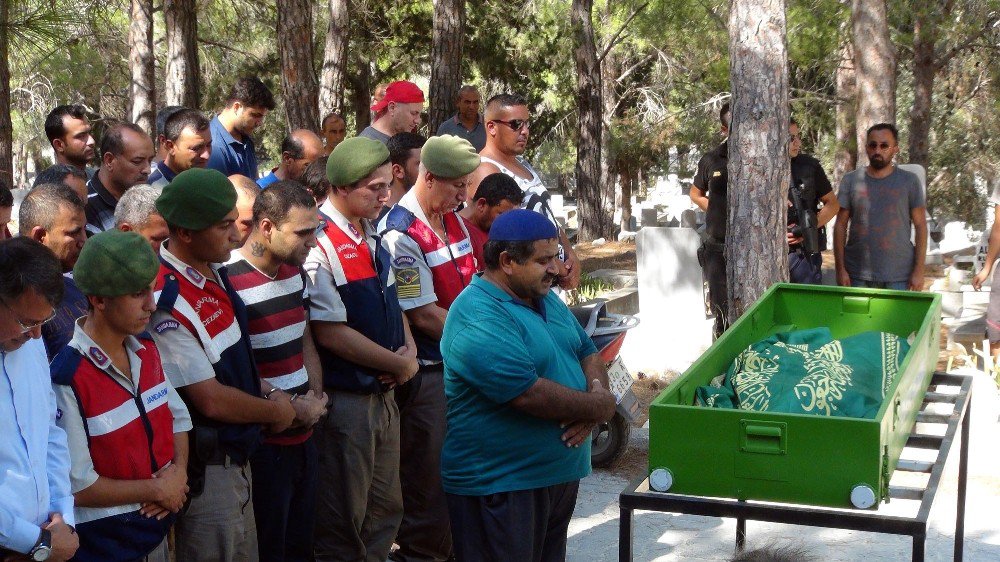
31,325
883,145
514,124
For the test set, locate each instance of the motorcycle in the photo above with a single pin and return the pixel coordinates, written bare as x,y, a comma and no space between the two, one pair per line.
607,331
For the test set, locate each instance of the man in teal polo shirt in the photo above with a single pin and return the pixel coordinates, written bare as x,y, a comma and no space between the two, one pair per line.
520,409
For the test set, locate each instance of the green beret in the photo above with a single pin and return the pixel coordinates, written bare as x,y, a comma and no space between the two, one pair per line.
449,157
353,159
196,199
114,263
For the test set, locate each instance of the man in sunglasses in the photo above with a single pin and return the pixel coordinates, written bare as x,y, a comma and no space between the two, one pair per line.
880,203
36,507
507,134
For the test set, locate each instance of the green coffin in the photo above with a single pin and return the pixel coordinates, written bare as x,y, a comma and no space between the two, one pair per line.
796,458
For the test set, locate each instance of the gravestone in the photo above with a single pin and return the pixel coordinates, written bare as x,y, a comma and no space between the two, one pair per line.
674,330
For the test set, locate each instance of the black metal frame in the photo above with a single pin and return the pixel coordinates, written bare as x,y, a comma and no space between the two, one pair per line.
632,499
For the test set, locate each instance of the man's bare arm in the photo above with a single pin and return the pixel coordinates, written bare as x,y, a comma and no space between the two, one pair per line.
348,343
699,198
839,242
830,209
428,318
992,251
552,401
919,218
226,404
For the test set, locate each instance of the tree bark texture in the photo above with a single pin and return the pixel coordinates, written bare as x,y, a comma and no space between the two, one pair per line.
926,18
361,93
612,167
183,75
6,128
446,60
756,250
875,66
142,64
846,157
333,76
298,74
594,203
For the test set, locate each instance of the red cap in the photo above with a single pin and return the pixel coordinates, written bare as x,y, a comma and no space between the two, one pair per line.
400,91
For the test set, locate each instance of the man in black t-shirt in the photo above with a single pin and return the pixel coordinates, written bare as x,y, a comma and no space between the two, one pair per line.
815,188
708,192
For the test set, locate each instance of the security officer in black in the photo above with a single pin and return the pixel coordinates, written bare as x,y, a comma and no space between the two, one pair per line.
708,192
809,179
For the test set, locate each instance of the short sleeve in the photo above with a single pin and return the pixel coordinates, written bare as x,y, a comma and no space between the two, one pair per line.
701,176
493,361
178,410
184,360
917,199
845,191
82,474
823,185
325,303
414,281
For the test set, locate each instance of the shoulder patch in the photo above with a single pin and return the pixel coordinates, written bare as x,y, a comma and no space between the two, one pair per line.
716,173
399,218
404,261
408,283
167,325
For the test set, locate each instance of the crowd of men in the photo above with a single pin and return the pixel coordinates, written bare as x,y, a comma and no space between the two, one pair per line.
335,360
879,205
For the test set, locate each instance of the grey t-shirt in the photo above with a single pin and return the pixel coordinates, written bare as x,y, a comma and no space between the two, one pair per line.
477,136
878,242
373,133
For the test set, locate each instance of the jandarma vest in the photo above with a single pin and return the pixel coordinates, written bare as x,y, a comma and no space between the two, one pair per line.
130,437
452,265
369,295
215,315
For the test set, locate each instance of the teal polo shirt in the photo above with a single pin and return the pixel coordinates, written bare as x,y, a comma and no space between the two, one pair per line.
495,347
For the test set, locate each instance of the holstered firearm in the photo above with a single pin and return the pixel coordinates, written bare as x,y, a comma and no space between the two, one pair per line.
804,218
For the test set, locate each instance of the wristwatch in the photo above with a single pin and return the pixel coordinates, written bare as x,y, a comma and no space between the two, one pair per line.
42,548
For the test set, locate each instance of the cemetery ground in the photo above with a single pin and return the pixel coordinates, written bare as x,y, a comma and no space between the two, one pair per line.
593,532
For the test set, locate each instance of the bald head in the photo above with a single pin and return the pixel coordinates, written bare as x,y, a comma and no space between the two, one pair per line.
246,194
299,149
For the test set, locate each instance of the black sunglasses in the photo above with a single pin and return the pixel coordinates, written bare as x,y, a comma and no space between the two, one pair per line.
515,124
883,145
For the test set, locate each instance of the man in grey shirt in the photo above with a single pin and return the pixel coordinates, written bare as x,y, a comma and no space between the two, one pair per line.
467,123
879,204
399,111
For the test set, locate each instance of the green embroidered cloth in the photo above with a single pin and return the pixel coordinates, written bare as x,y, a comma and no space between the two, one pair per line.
809,372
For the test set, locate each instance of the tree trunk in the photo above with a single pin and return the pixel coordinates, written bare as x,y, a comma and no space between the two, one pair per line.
446,60
361,93
924,70
611,166
298,75
846,157
142,110
596,217
756,251
6,128
333,76
875,65
182,80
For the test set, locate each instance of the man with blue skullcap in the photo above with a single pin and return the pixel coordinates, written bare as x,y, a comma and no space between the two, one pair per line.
525,387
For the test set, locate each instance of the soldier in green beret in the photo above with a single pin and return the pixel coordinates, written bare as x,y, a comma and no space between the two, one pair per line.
128,456
200,326
432,260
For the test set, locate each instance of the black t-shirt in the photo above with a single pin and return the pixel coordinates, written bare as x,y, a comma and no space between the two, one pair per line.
713,179
815,186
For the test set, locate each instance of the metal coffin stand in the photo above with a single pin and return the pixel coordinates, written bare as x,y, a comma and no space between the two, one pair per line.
638,496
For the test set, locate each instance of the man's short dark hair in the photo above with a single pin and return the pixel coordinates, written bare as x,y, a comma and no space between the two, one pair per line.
725,116
771,553
277,200
251,92
27,264
520,251
503,101
114,138
54,128
314,178
162,115
498,187
42,204
6,195
884,127
464,89
293,147
57,173
401,144
183,119
329,116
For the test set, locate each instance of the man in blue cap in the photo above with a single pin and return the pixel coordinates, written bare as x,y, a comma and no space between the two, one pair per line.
519,370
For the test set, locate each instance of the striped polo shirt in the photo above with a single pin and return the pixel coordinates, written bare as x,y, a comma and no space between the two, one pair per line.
276,314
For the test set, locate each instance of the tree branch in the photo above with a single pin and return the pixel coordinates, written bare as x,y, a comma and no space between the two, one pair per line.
969,41
617,36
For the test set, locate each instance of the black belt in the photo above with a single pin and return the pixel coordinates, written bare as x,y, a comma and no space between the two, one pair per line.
223,459
431,368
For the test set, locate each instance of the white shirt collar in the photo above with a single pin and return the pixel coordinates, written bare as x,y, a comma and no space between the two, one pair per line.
189,273
345,225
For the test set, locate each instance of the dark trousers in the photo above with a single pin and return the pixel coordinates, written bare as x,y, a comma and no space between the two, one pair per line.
718,291
284,497
425,533
522,526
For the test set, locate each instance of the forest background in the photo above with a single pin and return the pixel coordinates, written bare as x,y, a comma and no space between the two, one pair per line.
622,92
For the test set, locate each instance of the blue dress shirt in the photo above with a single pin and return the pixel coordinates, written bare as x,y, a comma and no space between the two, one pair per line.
229,155
34,458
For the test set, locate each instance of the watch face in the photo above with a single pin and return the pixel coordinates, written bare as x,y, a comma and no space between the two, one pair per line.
41,553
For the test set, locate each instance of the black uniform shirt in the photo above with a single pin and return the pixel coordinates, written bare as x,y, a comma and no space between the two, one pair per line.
713,179
815,186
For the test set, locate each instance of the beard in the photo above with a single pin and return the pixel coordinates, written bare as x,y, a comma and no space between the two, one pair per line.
878,162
